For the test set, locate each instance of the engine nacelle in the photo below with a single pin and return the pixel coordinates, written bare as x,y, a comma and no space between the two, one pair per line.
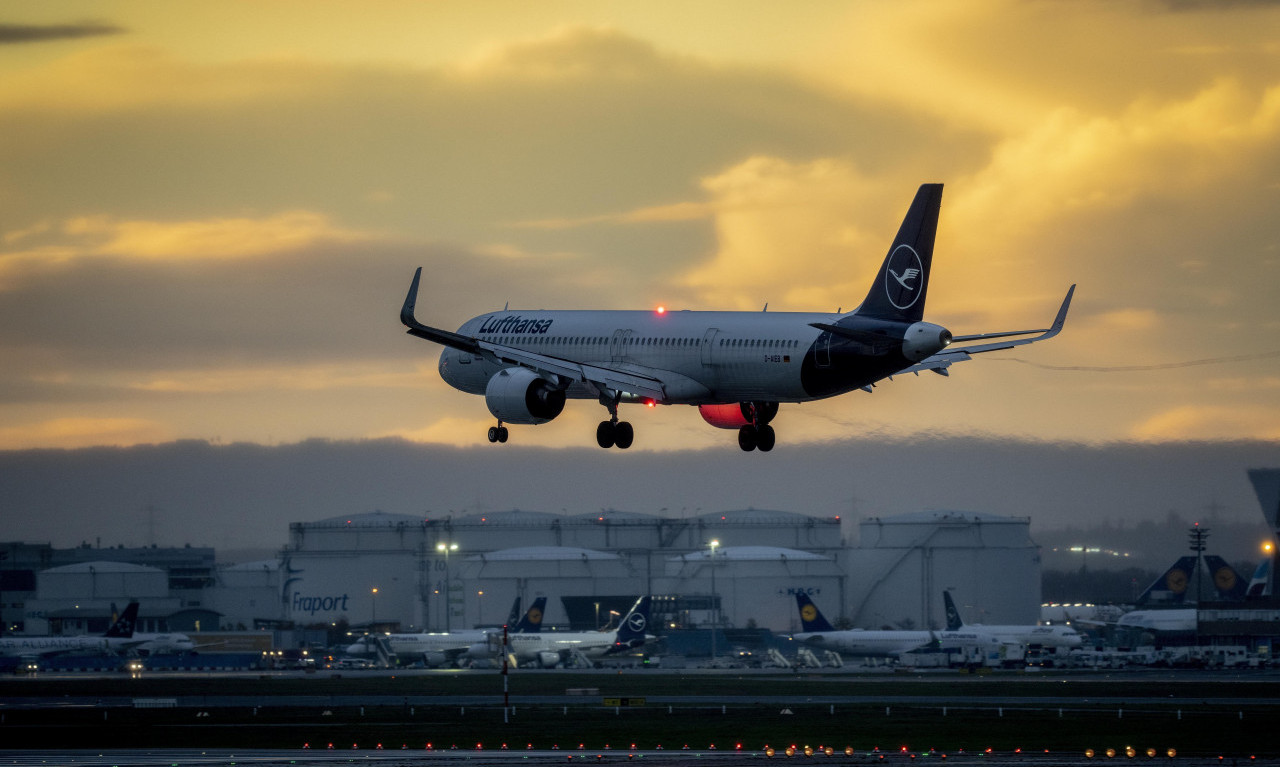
519,395
924,339
735,415
548,659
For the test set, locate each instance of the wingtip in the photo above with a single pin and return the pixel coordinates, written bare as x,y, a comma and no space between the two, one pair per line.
410,301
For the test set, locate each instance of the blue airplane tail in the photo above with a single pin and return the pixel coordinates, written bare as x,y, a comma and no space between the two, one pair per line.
954,622
1171,587
1228,583
531,621
631,632
810,616
122,627
898,292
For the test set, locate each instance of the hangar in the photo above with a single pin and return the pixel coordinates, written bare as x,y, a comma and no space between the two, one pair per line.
735,568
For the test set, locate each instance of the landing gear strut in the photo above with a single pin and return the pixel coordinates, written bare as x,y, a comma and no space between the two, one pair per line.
758,435
614,433
498,433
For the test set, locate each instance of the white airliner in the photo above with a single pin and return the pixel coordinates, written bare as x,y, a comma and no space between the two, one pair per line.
1030,635
735,367
118,638
442,648
818,632
551,648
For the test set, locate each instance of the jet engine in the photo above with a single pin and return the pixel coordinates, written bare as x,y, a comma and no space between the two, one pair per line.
548,659
924,339
519,395
735,415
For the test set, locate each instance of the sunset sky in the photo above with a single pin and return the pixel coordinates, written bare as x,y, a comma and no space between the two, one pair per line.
210,211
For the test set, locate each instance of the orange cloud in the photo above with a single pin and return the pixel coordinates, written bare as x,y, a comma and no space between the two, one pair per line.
1210,422
74,432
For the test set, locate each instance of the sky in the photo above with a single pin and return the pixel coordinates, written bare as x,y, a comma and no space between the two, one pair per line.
210,211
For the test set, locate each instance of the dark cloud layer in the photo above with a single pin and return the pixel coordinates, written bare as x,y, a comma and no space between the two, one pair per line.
11,34
247,495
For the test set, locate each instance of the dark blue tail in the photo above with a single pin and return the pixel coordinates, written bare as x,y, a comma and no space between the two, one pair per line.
1228,583
531,621
810,616
123,626
898,292
631,632
954,622
1171,587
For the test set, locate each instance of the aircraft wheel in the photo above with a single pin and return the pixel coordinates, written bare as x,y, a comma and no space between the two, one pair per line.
493,433
623,435
604,434
747,438
502,434
764,439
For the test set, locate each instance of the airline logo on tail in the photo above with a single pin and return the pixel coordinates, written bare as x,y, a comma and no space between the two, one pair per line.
902,284
631,633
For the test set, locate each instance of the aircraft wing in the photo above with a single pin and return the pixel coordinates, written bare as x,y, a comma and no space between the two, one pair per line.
944,359
565,370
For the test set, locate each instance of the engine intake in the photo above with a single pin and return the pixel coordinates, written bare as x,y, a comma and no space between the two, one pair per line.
519,395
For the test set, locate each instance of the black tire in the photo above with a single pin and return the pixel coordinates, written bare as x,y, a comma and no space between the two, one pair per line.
623,435
604,434
747,438
764,439
493,433
502,434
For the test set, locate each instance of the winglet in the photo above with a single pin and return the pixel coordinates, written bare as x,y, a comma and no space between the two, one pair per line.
411,301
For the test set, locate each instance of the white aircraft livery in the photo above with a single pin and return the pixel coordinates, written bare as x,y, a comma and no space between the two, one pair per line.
735,367
1043,636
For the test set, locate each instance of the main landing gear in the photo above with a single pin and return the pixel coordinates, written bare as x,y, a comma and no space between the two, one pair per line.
758,435
498,433
614,433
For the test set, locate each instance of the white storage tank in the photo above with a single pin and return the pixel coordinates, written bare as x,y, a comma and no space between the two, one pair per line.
903,564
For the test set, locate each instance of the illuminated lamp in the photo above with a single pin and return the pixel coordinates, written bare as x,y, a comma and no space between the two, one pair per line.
1172,753
808,750
662,310
1151,752
1110,752
1088,753
848,750
1130,751
829,751
768,752
791,751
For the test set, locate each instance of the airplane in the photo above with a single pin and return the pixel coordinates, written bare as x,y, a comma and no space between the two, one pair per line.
438,649
891,643
118,637
555,647
1171,586
1030,635
158,644
735,367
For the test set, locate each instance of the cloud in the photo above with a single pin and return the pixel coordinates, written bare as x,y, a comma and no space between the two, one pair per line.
11,34
1209,422
75,432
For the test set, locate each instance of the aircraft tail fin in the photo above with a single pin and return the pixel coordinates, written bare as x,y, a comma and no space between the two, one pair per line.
514,615
898,292
1171,587
1230,586
954,622
531,621
122,627
811,619
631,632
1260,584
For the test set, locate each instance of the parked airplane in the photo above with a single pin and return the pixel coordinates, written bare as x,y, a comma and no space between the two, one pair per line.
1031,635
555,647
735,367
880,644
1171,587
156,644
118,638
438,649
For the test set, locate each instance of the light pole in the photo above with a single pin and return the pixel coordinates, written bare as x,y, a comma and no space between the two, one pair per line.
373,613
479,609
715,607
445,548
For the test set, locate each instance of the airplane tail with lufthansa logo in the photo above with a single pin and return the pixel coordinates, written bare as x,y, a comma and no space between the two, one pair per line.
632,632
531,621
811,619
898,292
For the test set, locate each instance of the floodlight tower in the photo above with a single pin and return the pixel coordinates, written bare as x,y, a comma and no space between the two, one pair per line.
1198,535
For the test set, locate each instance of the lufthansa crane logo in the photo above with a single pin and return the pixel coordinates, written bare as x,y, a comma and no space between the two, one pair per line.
904,277
636,622
809,613
535,616
1177,581
1224,579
